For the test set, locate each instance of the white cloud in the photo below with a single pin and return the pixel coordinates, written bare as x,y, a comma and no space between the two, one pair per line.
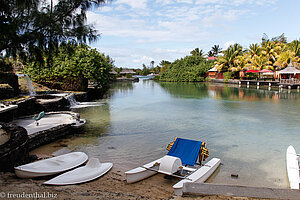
236,2
155,31
105,9
185,1
164,2
228,44
143,59
134,3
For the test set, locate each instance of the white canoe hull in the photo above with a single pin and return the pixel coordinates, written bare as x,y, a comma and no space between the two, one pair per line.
81,174
140,173
51,166
199,176
292,167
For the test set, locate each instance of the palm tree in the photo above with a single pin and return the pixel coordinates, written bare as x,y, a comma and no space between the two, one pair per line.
240,62
197,52
295,47
226,62
259,62
210,54
254,50
269,50
216,50
285,58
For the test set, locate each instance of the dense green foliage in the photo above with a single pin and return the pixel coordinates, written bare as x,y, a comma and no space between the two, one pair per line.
73,65
32,27
188,69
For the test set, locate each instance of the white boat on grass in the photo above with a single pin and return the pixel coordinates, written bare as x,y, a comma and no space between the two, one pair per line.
292,167
184,160
92,170
51,166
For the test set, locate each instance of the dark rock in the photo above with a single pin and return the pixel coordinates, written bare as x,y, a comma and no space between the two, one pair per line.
12,80
26,107
44,137
52,104
234,175
15,151
8,115
7,93
81,96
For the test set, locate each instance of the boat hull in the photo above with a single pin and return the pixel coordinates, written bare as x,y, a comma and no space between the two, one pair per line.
199,176
141,173
51,166
80,175
292,167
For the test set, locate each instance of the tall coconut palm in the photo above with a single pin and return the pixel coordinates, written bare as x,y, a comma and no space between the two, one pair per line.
295,47
226,62
197,52
259,62
269,51
285,58
210,54
216,50
254,50
240,63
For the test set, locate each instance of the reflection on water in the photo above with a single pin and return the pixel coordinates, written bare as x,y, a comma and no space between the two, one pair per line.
249,129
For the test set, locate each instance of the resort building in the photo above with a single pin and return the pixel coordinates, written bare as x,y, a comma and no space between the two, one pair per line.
289,75
213,73
126,71
211,58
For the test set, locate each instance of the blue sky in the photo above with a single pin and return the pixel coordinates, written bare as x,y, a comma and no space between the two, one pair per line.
135,32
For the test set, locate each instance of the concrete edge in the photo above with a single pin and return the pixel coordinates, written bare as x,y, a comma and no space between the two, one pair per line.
208,189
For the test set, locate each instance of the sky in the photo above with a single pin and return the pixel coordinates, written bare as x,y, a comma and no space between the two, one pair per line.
136,32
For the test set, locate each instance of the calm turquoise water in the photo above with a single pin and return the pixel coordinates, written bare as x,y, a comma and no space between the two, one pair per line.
248,129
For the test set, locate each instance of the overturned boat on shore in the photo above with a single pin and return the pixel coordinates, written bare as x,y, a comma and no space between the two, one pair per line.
92,170
184,160
51,166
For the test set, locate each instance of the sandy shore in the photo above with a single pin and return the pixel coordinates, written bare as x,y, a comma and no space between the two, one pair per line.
110,186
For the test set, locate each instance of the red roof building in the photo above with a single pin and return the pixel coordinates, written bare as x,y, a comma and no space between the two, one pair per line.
211,58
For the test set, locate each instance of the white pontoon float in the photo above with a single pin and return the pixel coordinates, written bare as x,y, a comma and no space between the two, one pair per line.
292,167
184,160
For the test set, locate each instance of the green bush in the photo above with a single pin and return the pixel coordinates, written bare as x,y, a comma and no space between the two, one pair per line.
128,76
188,69
227,76
72,66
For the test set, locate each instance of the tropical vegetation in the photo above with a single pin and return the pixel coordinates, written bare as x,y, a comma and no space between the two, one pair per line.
49,38
192,68
271,54
73,65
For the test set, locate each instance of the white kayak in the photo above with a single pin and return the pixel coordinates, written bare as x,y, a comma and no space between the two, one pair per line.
91,171
51,166
292,167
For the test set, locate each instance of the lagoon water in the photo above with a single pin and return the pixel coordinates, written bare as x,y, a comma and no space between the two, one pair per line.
249,129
